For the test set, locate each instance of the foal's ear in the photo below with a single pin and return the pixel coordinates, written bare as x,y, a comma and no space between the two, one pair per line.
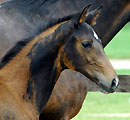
83,14
92,16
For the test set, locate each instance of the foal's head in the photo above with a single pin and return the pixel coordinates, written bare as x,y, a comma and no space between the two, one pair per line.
84,53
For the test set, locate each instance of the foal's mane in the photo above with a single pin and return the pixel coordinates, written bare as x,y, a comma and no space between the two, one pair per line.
19,45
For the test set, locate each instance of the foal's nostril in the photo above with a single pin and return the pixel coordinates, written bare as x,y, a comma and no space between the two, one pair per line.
114,84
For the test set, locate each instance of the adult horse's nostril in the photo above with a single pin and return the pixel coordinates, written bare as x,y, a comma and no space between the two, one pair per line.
114,84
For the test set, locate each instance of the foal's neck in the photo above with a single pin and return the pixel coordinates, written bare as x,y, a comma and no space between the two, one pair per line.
45,62
31,74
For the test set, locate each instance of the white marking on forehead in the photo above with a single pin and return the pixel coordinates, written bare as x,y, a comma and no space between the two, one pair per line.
95,35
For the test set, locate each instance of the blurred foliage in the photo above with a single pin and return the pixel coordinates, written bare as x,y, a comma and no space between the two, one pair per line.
119,47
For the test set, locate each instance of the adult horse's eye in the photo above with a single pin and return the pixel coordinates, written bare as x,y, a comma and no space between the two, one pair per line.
86,44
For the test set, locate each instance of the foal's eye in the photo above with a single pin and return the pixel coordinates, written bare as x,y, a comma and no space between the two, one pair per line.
86,44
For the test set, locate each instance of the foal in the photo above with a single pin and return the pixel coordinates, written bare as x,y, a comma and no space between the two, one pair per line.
28,78
65,102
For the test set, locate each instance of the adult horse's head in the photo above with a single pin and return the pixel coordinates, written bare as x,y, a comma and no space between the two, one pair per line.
84,53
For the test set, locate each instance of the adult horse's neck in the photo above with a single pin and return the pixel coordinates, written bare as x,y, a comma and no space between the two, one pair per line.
115,14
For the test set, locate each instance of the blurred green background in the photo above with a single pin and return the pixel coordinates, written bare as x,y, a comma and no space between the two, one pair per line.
116,103
119,47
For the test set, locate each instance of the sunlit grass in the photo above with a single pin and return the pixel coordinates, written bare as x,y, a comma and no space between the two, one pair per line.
123,71
97,102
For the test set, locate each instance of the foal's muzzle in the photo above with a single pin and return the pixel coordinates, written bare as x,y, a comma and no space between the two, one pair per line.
114,84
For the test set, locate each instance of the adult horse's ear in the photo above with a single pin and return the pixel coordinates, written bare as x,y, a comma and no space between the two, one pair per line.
92,16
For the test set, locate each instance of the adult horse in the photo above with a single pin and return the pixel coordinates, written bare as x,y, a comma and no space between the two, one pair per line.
19,17
33,66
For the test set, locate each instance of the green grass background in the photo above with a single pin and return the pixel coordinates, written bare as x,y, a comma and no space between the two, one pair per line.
123,71
96,102
119,47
